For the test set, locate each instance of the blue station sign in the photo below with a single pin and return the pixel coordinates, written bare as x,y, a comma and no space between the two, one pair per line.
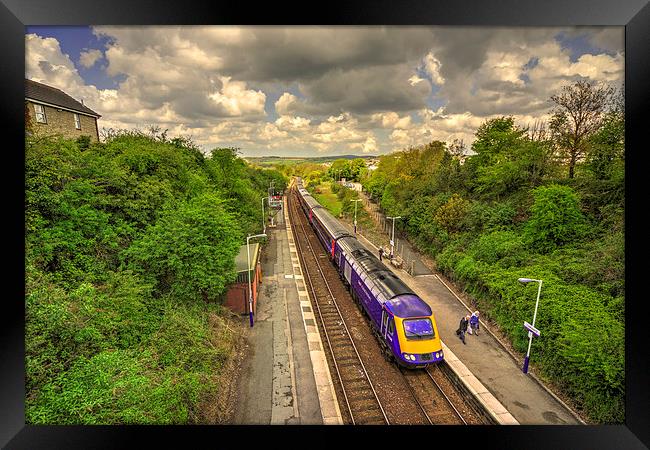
532,329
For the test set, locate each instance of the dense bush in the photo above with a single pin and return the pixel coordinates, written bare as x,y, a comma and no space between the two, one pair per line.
555,219
506,212
504,247
190,250
129,245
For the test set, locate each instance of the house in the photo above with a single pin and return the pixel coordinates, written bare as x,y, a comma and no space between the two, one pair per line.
52,111
237,295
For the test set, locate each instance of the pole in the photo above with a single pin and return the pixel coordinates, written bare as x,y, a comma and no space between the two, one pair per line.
392,240
263,218
250,289
355,214
530,333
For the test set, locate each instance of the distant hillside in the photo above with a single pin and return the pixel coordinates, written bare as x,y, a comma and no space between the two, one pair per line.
262,160
306,158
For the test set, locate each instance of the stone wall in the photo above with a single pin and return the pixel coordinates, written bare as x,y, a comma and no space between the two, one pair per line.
61,121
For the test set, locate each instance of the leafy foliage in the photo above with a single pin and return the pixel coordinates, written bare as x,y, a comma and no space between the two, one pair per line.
190,250
508,211
555,219
129,245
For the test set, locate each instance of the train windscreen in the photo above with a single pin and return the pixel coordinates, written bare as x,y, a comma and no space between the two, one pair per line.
418,329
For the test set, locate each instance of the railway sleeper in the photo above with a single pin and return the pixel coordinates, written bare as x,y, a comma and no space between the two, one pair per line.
369,418
340,341
347,363
361,394
355,385
331,316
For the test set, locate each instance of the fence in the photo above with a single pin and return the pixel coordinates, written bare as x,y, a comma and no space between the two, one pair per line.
411,262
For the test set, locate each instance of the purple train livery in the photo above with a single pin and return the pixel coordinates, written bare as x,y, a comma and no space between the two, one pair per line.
403,323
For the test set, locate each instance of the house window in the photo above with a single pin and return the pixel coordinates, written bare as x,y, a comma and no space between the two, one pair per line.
40,113
77,123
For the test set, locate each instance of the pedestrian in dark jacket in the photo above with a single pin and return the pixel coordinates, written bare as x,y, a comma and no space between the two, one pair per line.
462,328
381,252
473,323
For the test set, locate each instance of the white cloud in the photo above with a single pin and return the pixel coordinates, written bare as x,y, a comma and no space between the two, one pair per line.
391,120
432,68
357,86
236,100
293,123
88,58
286,103
368,146
415,80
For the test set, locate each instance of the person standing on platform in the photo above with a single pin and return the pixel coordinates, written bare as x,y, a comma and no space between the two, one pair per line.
462,328
473,323
381,253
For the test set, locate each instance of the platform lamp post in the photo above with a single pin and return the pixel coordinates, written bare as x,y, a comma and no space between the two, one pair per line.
530,332
271,190
250,288
263,217
392,239
355,214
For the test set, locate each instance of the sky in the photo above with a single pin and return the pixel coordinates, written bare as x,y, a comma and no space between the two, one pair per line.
316,91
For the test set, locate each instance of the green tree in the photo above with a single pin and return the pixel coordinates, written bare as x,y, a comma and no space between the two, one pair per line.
606,159
506,159
578,114
556,218
451,215
190,250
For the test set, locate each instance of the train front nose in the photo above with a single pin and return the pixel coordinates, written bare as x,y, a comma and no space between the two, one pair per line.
421,359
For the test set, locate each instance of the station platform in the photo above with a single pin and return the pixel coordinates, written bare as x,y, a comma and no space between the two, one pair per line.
486,363
284,379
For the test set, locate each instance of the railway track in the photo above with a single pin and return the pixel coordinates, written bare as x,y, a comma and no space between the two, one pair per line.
426,401
360,397
431,397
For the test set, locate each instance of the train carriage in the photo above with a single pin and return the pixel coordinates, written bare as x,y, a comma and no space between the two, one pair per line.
402,321
307,202
328,229
310,204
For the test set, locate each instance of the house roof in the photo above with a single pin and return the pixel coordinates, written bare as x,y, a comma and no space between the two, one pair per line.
241,260
48,94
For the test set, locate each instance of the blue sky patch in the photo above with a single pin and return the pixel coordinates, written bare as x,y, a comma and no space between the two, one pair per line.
76,39
532,63
578,45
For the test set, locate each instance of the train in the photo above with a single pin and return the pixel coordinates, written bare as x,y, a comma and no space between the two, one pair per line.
403,323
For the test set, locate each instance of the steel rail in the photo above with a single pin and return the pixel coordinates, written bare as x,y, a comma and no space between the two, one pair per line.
318,309
415,396
460,416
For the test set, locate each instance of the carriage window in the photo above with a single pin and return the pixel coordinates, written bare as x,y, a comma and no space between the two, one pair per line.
418,329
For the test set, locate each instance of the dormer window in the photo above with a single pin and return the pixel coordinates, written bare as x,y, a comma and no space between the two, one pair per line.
40,113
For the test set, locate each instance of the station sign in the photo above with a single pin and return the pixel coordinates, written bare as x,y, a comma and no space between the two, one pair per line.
532,329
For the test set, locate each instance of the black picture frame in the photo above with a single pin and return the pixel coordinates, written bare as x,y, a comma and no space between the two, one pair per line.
16,14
